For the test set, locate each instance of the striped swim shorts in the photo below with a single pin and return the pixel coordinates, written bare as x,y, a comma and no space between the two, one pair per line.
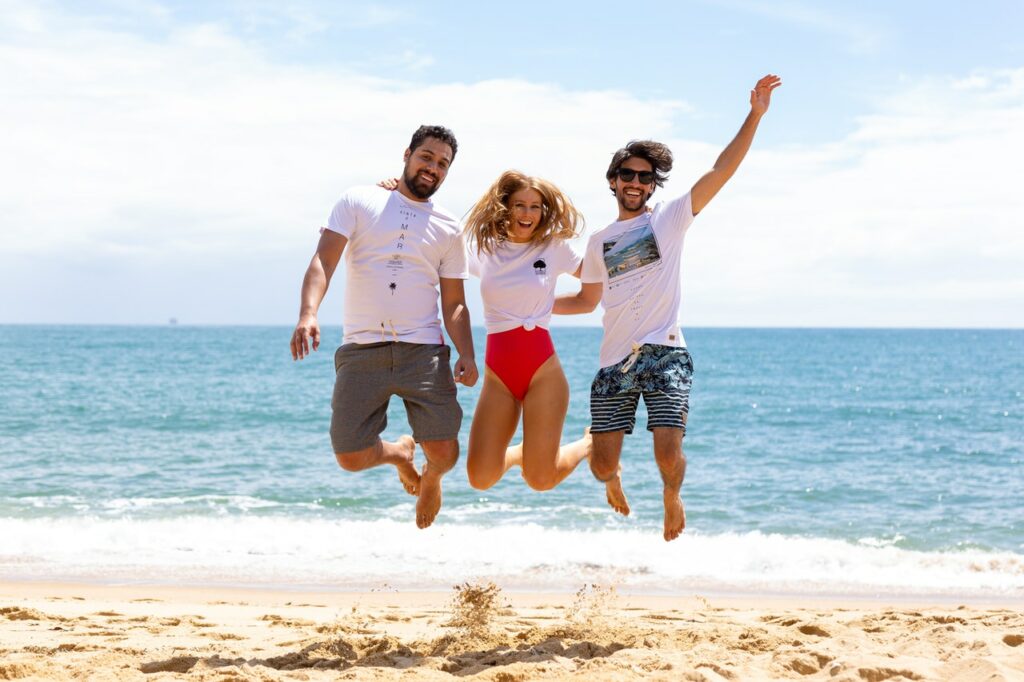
661,374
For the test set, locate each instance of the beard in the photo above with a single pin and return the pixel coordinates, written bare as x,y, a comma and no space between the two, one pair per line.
419,189
626,202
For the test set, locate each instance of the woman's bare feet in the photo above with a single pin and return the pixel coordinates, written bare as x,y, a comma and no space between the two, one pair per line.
407,473
675,515
430,497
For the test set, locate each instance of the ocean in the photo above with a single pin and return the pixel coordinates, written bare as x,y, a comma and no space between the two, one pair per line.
854,462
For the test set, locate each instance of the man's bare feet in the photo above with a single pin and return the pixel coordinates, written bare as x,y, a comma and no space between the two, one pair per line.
675,516
430,497
616,497
407,470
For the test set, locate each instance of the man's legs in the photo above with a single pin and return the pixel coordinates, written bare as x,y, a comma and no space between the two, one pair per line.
613,402
666,377
359,414
423,376
441,457
604,464
668,452
399,454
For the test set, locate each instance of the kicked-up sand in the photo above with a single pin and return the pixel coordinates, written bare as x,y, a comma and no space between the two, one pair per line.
85,632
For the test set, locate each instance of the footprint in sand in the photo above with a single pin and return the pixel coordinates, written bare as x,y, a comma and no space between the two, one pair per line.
811,629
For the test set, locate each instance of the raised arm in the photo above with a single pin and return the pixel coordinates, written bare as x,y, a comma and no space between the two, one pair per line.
456,322
730,158
314,287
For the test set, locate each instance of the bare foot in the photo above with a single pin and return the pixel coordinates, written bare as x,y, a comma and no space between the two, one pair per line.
407,470
514,456
616,498
675,516
430,498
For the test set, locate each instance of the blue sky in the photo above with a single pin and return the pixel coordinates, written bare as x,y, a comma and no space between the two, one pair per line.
175,159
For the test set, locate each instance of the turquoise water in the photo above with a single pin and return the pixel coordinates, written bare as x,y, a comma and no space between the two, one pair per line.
849,461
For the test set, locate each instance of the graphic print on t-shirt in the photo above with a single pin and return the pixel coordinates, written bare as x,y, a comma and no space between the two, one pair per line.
395,264
631,253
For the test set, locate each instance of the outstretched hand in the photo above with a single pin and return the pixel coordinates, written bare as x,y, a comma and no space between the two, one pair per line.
761,95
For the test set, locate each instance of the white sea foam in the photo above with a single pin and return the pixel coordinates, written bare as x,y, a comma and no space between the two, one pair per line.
120,506
363,554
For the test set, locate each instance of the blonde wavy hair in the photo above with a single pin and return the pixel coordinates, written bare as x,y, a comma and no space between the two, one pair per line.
489,219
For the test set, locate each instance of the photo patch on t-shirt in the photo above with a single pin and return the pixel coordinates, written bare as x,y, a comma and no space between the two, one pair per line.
631,251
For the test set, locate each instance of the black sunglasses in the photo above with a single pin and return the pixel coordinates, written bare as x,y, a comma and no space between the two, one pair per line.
627,175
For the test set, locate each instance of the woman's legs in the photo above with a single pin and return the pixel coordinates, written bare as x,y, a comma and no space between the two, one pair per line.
494,424
545,464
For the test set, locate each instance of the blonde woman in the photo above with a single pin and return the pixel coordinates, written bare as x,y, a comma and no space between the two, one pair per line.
517,237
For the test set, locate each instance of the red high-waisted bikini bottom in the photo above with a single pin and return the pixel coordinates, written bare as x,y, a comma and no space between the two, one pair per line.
516,355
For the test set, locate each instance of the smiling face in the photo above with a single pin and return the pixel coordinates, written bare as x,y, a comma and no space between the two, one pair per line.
632,195
525,209
425,169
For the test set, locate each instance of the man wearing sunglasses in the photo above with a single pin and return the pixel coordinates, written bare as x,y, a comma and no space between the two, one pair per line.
632,268
402,249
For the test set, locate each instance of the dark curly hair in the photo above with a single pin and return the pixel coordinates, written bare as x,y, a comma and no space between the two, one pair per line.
655,153
437,132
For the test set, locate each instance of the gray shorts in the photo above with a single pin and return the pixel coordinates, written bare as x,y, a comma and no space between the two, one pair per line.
368,374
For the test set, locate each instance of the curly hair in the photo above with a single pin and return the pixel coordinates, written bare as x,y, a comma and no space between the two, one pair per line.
438,132
489,219
654,153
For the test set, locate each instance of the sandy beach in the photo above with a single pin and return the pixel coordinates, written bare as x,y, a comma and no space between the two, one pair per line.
71,631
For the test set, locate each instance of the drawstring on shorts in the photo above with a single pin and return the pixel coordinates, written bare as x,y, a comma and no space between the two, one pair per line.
633,357
394,334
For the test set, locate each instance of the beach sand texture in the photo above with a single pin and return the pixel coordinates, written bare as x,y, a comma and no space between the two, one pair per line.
56,632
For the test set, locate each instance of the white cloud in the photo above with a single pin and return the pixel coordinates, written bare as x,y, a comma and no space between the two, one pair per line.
139,159
200,139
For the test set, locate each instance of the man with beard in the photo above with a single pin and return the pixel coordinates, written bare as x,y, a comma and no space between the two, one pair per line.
402,248
632,268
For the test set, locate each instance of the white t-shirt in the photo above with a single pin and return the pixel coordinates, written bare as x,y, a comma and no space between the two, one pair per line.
517,282
396,254
638,262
